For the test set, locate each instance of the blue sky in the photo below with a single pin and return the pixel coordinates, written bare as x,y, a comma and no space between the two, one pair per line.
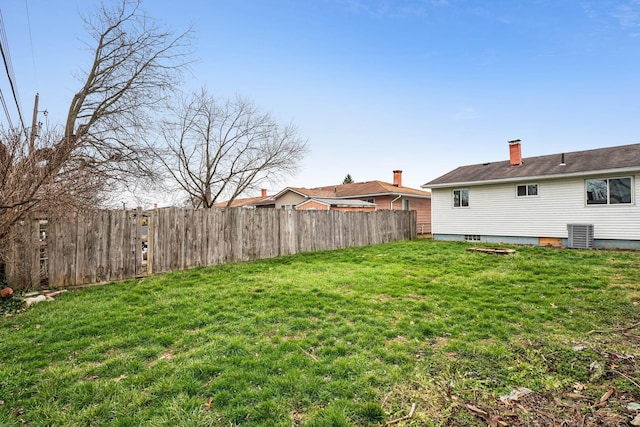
418,85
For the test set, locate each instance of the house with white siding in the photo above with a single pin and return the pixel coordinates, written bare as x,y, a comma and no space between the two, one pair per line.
577,199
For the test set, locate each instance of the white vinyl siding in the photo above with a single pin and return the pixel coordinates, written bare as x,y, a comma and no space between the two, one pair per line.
496,212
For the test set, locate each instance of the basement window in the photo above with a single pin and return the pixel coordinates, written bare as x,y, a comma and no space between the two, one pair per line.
461,198
608,191
472,237
527,190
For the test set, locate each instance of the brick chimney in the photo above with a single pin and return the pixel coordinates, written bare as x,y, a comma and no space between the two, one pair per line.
397,178
264,193
515,153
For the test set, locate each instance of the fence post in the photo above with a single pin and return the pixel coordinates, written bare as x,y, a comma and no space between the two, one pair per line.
33,247
137,237
151,239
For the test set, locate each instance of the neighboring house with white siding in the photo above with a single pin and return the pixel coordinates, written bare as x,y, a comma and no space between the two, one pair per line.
544,200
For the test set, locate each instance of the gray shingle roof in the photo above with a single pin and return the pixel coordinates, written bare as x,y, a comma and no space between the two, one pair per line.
623,157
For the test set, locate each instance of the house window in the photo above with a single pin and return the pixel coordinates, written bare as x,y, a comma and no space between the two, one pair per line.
287,207
527,190
460,198
405,204
608,191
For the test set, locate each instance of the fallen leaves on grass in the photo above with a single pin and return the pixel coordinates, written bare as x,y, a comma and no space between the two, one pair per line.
561,409
491,419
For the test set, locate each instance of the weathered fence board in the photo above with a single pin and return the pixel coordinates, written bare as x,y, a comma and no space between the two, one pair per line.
22,260
101,246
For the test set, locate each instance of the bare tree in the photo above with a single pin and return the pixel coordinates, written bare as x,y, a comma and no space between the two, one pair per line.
51,178
135,64
219,150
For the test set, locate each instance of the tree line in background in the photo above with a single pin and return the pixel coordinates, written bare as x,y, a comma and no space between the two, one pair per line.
125,130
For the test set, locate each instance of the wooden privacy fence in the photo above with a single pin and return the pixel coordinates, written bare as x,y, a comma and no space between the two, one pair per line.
102,246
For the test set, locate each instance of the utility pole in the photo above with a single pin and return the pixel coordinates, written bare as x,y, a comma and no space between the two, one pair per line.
34,124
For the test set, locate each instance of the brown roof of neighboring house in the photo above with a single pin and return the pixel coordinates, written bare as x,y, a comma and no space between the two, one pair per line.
357,189
309,192
242,202
620,158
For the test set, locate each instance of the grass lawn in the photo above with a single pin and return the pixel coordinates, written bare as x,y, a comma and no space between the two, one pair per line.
353,337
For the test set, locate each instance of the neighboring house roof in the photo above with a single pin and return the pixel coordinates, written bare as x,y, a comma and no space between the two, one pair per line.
341,203
243,202
617,159
307,192
264,202
357,189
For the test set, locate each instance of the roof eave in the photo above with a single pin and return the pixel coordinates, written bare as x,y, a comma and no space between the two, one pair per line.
287,189
336,201
389,193
533,177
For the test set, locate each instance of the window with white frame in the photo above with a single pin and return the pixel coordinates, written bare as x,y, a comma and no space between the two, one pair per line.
608,191
526,190
461,198
405,204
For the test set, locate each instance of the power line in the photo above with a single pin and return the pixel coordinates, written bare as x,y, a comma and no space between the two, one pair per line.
33,57
6,110
4,107
4,49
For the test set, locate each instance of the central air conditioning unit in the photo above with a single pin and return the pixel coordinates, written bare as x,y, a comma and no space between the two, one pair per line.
580,236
